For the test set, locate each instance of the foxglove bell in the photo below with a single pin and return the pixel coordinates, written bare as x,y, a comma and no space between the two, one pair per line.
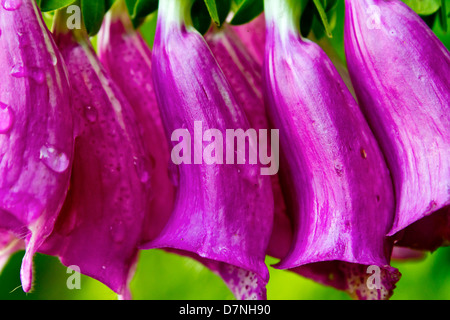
127,57
100,226
223,212
400,69
36,129
336,184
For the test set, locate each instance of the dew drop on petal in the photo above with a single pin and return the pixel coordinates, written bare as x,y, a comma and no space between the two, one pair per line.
6,118
91,114
11,5
53,58
54,159
18,71
142,166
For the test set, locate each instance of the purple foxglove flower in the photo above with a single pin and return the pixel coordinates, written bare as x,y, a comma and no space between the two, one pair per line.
223,212
127,57
100,226
336,184
118,45
36,128
400,70
253,35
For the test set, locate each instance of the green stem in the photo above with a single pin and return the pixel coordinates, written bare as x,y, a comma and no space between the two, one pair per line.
324,17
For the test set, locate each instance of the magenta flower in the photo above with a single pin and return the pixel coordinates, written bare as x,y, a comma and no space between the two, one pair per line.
101,224
127,57
223,213
36,129
337,186
399,69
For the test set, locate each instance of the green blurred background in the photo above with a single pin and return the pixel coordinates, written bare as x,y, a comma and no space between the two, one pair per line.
164,276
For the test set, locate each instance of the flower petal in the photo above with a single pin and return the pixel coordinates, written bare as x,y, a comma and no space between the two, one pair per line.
36,130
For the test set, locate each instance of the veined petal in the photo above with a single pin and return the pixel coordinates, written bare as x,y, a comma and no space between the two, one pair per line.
337,187
253,35
222,213
399,69
100,226
36,130
127,57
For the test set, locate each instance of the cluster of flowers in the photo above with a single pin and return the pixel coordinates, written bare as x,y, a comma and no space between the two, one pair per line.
85,171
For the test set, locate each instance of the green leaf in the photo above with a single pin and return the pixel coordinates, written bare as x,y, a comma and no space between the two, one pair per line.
218,10
247,11
108,4
224,8
200,16
51,5
330,4
443,16
140,9
424,7
213,11
323,17
130,6
93,13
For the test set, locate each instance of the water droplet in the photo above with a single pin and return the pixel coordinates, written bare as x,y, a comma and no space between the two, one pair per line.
142,165
118,231
91,114
11,5
53,58
339,169
18,71
6,118
54,159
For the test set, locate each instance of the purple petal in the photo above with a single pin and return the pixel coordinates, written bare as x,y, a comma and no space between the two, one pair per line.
127,58
222,212
399,69
427,234
253,35
36,130
337,186
100,226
